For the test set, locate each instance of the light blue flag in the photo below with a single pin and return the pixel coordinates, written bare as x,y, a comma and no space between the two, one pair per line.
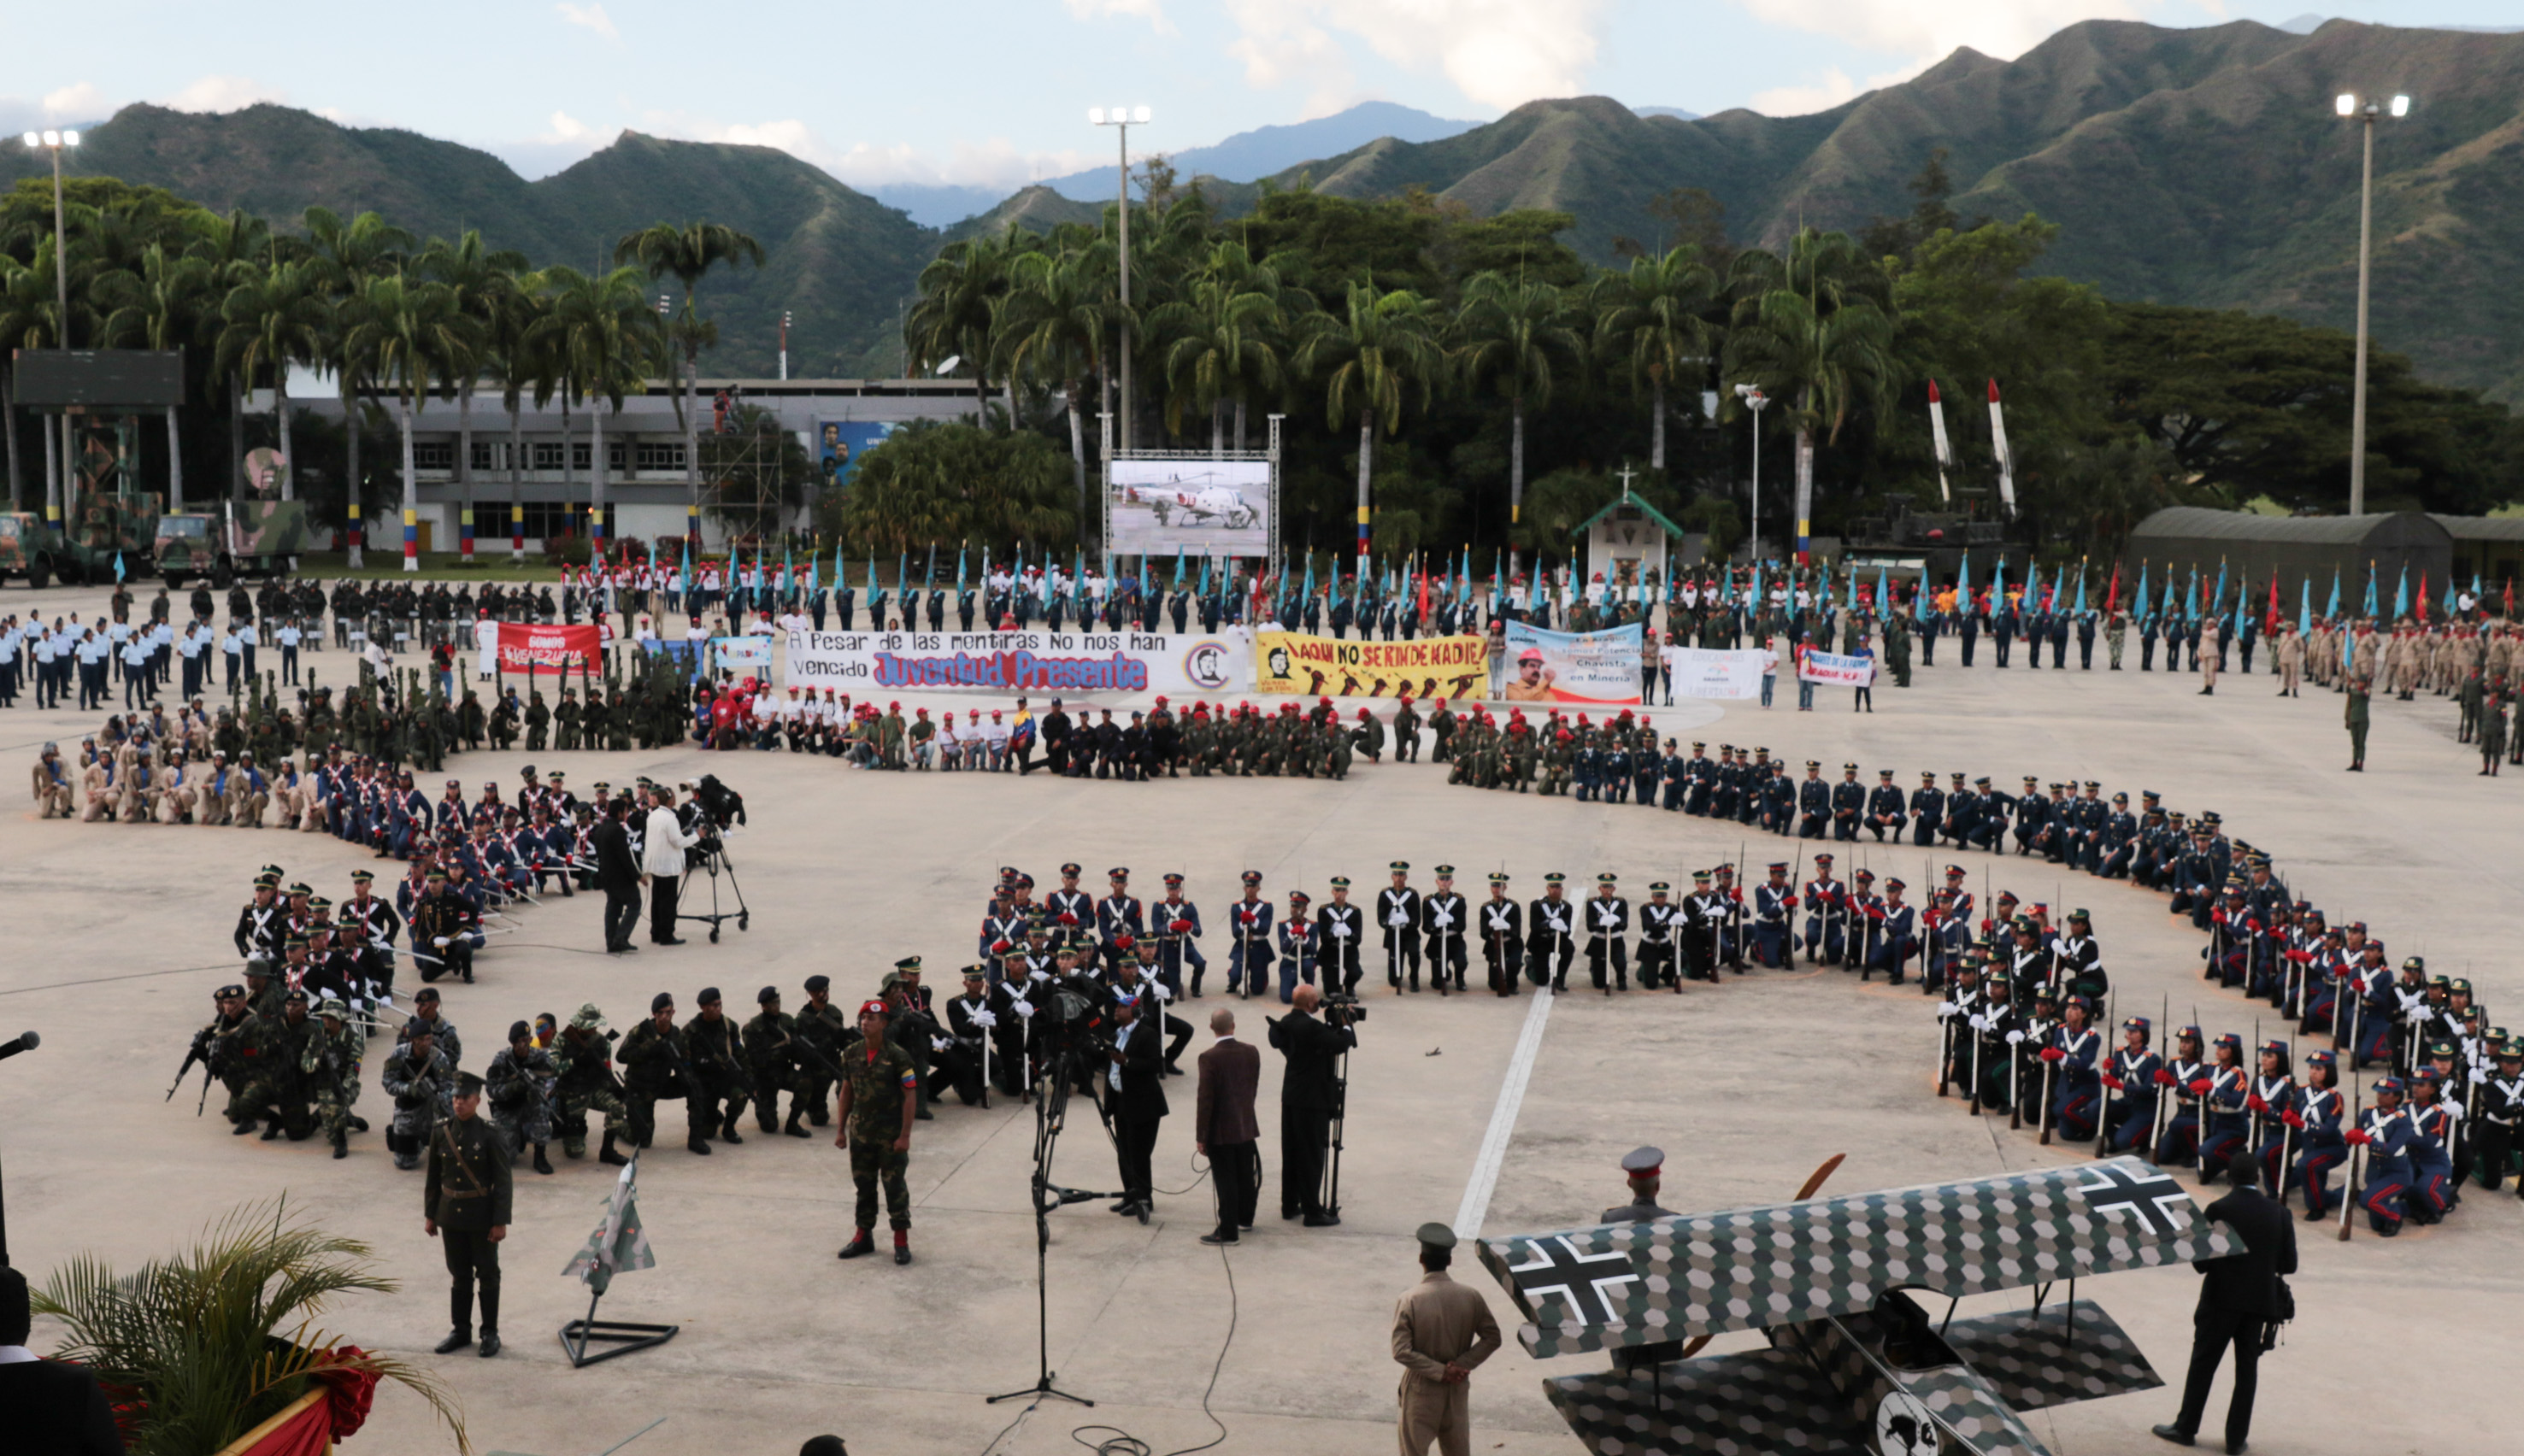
2218,601
2305,606
2371,603
2139,600
1205,578
117,567
1883,588
1179,565
2033,587
1997,586
2081,590
959,570
2402,593
1962,585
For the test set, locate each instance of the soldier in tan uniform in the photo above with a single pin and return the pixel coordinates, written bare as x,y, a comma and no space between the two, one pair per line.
2291,661
1441,1330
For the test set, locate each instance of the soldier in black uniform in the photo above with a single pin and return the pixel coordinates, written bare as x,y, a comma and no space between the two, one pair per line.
1814,802
1501,927
1551,935
1848,803
1606,921
1397,927
714,1050
1444,917
1338,928
465,1206
1886,808
1659,921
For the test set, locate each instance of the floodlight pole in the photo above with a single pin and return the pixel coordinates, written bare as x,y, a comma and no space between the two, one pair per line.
1121,118
56,485
2365,115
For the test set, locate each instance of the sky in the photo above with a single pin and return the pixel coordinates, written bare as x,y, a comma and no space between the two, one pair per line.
996,92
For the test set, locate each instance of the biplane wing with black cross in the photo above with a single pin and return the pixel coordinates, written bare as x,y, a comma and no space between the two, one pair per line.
1855,1363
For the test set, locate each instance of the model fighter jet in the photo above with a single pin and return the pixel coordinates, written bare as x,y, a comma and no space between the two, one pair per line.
1856,1364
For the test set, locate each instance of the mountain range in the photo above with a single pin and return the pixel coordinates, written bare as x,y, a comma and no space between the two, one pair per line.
2202,167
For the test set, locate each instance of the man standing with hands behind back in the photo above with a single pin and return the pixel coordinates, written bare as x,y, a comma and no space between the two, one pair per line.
1441,1330
2238,1298
465,1206
664,841
617,874
1224,1128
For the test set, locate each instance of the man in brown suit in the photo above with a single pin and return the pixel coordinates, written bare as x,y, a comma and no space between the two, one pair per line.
1442,1330
1224,1128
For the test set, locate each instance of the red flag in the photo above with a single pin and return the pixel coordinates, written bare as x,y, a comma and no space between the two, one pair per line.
1424,595
2271,622
2113,593
2423,596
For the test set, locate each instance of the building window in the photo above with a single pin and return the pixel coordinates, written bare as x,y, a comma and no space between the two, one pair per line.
547,455
582,456
483,455
544,519
433,457
662,456
614,456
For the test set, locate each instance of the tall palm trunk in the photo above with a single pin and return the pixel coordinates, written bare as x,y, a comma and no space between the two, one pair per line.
1077,455
1366,463
569,455
175,462
9,407
236,432
595,482
1217,428
1515,461
516,485
1239,424
1008,387
411,484
1656,423
350,435
692,439
288,461
1805,490
464,467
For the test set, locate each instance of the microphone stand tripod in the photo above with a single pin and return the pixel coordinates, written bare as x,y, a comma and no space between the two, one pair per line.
1050,1109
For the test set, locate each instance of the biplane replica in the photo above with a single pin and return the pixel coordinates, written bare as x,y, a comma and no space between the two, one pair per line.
1855,1363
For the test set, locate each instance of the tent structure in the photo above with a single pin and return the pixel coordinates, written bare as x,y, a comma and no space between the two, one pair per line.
2181,539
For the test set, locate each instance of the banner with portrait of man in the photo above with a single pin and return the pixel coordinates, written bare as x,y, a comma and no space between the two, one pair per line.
1340,667
1572,666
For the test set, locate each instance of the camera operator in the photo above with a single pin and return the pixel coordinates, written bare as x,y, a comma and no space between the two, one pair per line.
1310,1095
664,841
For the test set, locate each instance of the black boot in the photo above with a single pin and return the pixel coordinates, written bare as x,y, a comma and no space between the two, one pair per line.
271,1130
244,1125
698,1144
543,1164
456,1339
861,1243
727,1132
341,1144
608,1155
790,1126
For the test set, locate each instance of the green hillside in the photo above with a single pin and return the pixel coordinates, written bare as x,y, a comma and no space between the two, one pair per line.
2192,166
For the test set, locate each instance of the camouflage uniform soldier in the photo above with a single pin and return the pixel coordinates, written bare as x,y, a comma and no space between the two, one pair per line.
771,1052
584,1069
228,1047
521,1084
654,1067
278,1088
422,1083
826,1029
330,1065
878,1096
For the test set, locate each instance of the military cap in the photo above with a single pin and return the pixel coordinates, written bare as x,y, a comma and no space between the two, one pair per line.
518,1029
1446,872
2000,980
1299,896
1813,763
1555,878
467,1085
224,991
875,1007
2417,963
294,942
661,1001
889,981
1251,877
1696,744
1643,1162
766,996
2509,1052
2080,913
1822,859
1174,879
301,887
1895,885
298,996
1959,778
2081,1002
1983,779
1117,873
2320,1057
818,983
436,873
1498,877
2121,798
361,876
2229,1039
1884,774
2459,985
1778,867
1435,1235
1071,869
2390,1085
1399,867
318,904
1928,776
977,972
2427,1074
1660,887
909,965
1608,878
1340,881
2139,1024
587,1017
1849,768
2031,782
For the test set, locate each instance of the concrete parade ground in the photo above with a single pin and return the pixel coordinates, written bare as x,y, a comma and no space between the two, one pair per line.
119,934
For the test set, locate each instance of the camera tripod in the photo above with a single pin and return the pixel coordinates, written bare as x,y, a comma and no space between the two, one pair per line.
711,860
1050,1109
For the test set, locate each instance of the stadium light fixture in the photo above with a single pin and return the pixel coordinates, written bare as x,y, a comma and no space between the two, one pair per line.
54,142
1095,115
2348,107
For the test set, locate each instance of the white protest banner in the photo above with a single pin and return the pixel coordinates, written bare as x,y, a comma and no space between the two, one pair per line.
1705,673
1038,662
1833,668
1571,666
742,654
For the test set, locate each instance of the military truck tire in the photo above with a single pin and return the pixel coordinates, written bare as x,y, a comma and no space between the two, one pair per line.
174,580
222,575
39,576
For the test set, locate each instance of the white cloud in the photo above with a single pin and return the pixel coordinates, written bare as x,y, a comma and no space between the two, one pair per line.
1831,90
1501,53
223,93
80,102
1151,10
591,17
566,128
992,162
1927,33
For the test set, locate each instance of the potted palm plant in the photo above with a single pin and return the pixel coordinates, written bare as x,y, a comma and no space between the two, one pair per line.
218,1342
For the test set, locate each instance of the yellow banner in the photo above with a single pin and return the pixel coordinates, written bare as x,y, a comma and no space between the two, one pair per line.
1324,666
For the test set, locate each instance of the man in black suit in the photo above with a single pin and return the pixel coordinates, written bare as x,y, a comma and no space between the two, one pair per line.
617,874
1135,1094
1310,1092
2238,1298
1224,1128
53,1409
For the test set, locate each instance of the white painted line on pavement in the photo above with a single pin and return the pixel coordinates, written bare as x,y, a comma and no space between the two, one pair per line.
1486,1166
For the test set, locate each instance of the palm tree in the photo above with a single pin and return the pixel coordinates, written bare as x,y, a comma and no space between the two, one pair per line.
956,317
523,366
27,308
1509,332
340,256
221,1336
689,253
272,318
159,307
1811,325
485,285
1653,320
603,339
1223,339
1371,357
233,246
410,332
1054,326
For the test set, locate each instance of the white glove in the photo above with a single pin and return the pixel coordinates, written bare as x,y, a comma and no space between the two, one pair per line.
1022,1006
1340,930
1038,975
1945,1008
1982,1023
1164,994
1398,921
939,1043
2014,1038
984,1018
440,942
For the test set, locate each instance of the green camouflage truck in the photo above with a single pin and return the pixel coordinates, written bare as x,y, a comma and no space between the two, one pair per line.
24,541
237,538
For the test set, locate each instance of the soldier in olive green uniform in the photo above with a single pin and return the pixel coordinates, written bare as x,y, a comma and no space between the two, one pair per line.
538,720
654,1067
465,1206
2357,716
330,1066
771,1050
877,1098
825,1028
584,1069
279,1091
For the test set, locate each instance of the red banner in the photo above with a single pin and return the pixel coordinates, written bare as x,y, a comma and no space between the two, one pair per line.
570,651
